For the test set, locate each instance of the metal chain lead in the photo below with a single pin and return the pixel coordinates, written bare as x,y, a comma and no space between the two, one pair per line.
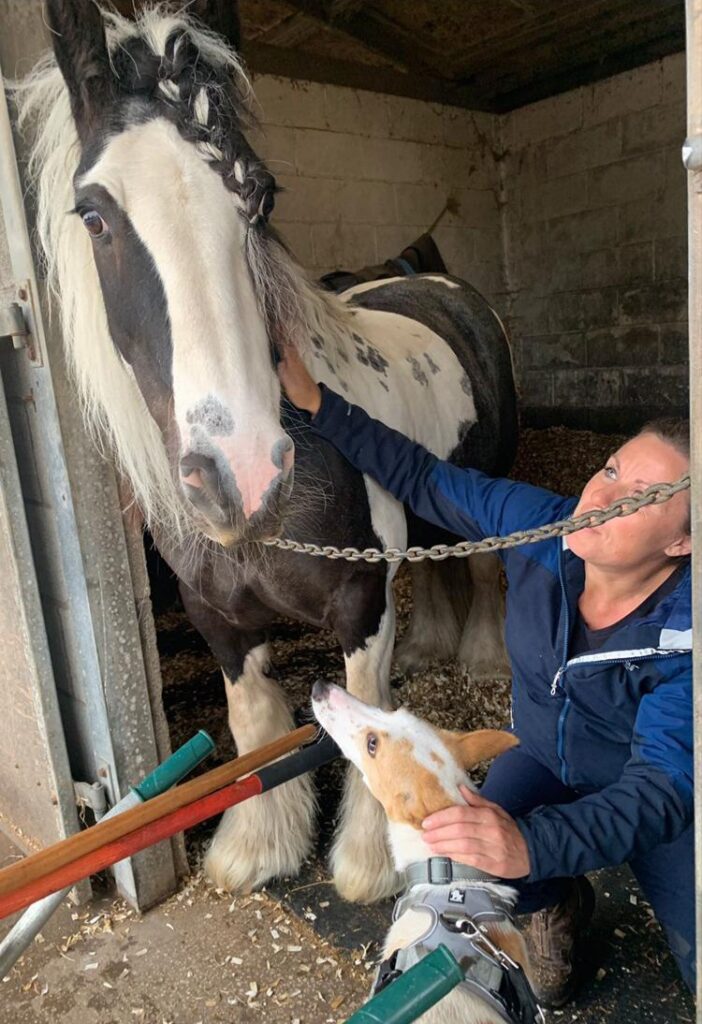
657,494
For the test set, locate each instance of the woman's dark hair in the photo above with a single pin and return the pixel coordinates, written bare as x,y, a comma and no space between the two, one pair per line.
675,432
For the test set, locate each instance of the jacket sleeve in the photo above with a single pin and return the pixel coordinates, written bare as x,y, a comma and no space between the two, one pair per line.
464,501
651,803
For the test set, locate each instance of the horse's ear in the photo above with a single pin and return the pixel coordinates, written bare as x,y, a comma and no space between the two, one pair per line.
221,16
78,36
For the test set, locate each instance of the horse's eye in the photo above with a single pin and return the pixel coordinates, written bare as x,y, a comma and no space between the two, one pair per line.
94,223
371,743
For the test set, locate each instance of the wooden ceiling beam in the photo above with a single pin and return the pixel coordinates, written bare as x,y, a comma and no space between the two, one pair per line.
377,33
558,30
276,60
342,8
587,73
584,51
291,32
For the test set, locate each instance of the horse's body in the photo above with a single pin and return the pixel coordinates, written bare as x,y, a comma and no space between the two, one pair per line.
195,290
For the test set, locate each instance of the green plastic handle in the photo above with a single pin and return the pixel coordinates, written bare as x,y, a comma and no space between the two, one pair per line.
177,766
414,992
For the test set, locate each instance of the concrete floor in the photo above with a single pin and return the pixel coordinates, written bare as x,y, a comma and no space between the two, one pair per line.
292,954
200,958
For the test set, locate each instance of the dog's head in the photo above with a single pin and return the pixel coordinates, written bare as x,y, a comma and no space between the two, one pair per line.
410,767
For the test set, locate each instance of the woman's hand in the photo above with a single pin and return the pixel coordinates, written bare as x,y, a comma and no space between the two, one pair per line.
478,833
299,386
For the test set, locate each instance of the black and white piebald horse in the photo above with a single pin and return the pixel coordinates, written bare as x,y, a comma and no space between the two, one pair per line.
173,290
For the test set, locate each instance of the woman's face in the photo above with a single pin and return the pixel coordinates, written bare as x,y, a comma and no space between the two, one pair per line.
650,535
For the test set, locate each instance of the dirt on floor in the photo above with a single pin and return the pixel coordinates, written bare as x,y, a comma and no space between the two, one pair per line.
202,957
296,953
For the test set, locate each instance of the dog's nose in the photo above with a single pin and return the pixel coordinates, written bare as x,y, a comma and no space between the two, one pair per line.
320,689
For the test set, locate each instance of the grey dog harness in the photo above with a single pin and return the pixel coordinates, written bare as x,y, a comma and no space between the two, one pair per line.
459,902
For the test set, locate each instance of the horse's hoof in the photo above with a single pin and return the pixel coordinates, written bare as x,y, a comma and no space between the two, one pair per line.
479,671
485,658
413,657
266,837
363,871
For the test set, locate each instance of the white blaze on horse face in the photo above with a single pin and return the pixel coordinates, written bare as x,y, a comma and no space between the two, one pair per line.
225,391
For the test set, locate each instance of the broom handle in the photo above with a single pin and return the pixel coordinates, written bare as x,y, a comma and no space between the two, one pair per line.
312,756
179,764
54,857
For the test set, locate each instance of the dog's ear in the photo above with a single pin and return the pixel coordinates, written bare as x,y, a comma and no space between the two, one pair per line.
472,747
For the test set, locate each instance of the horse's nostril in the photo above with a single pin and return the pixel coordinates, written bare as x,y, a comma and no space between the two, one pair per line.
283,456
195,468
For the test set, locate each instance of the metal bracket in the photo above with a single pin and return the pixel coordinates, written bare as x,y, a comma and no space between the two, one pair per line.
13,325
692,153
92,795
18,323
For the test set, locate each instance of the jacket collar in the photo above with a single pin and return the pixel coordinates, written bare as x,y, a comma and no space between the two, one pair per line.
667,628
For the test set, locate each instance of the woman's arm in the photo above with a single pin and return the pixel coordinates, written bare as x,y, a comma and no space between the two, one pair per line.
464,501
651,803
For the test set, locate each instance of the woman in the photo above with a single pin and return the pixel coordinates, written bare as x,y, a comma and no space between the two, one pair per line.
599,635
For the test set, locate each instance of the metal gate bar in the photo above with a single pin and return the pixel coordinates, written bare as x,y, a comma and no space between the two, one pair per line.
692,154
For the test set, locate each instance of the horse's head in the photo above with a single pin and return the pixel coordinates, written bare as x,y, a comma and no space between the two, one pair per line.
175,204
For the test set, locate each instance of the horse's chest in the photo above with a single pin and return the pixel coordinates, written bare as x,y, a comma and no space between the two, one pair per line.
250,595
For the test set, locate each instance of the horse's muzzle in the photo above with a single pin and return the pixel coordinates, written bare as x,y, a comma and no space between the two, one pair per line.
239,505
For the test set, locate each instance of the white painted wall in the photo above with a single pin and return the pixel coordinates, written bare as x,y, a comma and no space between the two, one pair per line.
595,247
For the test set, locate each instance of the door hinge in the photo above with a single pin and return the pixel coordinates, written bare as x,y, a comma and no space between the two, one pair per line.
13,326
90,795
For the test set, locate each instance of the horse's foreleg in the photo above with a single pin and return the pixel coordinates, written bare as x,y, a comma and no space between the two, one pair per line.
271,834
440,602
361,862
482,647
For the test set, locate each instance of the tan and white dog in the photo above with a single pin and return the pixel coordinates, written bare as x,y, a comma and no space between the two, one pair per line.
413,770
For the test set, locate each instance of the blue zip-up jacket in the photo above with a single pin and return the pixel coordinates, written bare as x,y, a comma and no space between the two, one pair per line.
615,724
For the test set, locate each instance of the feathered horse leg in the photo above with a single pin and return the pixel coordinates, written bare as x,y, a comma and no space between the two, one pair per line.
361,863
271,835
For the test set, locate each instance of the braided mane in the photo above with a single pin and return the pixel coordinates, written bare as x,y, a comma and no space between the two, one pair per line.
191,77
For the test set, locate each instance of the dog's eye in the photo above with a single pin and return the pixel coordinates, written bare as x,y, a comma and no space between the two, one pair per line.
371,743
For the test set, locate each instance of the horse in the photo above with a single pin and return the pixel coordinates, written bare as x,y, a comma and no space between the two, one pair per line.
175,294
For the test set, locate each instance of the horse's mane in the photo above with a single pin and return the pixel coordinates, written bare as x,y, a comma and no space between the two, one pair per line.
218,95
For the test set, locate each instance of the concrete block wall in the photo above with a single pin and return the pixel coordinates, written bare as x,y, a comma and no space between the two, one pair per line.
364,174
595,250
571,218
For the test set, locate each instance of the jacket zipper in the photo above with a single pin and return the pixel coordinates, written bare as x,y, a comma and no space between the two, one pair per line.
557,683
558,678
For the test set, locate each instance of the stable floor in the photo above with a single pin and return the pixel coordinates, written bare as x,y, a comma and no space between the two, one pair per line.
296,952
291,954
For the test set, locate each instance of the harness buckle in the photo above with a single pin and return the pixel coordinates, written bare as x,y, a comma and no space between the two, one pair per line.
386,973
440,870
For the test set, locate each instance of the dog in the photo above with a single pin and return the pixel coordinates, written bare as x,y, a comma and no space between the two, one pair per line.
413,770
